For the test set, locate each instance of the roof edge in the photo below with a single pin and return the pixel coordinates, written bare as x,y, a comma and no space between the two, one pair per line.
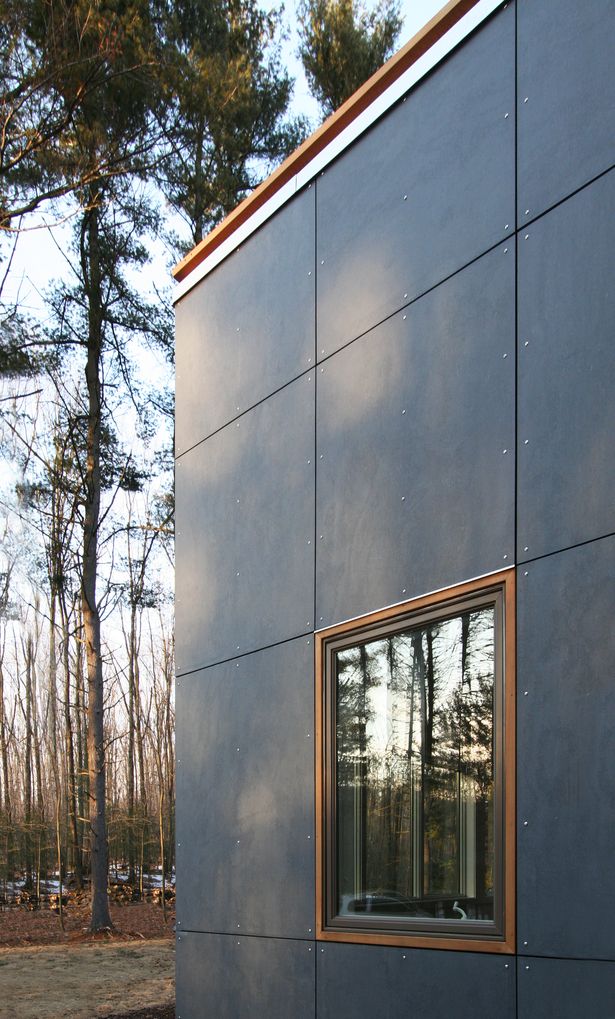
397,65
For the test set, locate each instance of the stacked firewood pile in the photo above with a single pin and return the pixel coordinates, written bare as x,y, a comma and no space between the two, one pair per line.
169,896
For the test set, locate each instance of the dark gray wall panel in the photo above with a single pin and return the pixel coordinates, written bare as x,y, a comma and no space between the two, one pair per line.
365,982
566,989
248,328
221,977
429,188
566,753
245,522
245,779
566,372
566,98
414,489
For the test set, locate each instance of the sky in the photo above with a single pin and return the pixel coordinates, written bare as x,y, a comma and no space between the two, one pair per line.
38,258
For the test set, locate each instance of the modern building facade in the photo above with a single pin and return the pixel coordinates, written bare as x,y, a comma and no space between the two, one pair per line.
396,547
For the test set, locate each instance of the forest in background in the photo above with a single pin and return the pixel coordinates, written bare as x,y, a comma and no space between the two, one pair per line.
130,128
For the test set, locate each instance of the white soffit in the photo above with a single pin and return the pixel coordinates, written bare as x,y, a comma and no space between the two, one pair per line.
355,128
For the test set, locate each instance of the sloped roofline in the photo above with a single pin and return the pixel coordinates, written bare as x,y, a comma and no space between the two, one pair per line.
332,137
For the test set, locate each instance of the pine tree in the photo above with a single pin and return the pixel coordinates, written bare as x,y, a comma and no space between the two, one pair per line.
342,43
228,97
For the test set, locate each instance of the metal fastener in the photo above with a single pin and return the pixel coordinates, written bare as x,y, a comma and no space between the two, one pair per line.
525,693
526,99
505,116
505,250
525,824
526,548
405,198
504,356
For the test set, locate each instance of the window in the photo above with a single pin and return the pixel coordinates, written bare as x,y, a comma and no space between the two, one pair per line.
415,713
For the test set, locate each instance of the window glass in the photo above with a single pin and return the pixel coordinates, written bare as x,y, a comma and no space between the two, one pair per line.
413,747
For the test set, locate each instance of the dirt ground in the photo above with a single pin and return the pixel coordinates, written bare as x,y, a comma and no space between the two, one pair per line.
46,973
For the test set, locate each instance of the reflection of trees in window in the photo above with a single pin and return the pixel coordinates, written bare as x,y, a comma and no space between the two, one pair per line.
414,729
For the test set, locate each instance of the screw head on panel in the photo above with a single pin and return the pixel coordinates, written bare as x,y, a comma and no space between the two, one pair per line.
525,944
506,226
404,317
405,198
527,212
504,356
506,116
526,99
525,693
506,965
525,824
505,251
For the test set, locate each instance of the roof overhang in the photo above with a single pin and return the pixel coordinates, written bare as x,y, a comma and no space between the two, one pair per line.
420,55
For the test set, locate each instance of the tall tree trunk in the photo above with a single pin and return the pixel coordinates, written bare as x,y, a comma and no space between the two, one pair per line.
29,864
99,849
4,753
71,790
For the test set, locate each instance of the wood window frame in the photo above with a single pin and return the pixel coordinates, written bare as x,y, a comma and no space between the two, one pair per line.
503,942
